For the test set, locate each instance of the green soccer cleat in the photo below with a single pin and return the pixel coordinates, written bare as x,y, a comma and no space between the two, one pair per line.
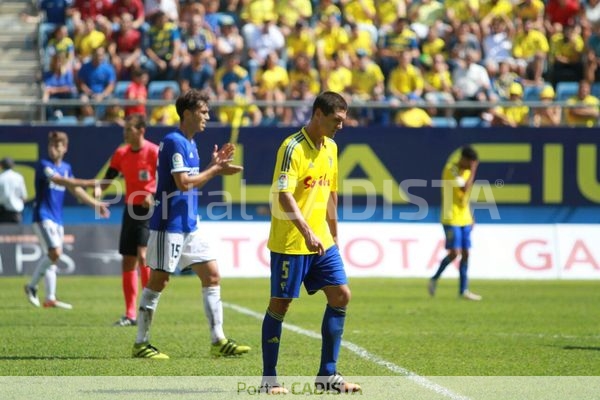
146,350
227,348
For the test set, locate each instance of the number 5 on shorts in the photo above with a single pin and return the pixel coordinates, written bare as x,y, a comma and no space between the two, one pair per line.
285,270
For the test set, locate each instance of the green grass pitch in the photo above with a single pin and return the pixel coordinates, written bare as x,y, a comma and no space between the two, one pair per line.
521,328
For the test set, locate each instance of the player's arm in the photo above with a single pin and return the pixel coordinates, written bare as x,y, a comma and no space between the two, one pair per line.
82,196
332,219
219,165
290,207
469,183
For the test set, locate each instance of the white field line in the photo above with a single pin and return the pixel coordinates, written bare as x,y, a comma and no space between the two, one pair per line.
363,353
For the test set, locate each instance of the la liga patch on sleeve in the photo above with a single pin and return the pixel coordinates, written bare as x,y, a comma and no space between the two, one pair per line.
177,160
282,182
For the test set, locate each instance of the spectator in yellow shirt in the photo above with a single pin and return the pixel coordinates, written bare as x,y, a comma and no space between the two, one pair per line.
514,115
587,114
241,113
302,71
413,117
166,114
550,114
404,80
566,51
272,80
530,49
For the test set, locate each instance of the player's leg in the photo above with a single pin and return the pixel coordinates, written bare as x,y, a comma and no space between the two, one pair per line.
164,253
327,273
453,237
464,291
129,275
287,275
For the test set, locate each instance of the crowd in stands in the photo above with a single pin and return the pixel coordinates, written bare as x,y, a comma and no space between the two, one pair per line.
423,58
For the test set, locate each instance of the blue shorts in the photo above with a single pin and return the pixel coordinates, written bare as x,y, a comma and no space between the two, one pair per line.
458,237
289,271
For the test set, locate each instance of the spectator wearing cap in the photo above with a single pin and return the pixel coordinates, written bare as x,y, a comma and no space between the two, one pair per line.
550,114
13,193
162,47
586,114
398,39
566,54
530,50
413,116
515,114
125,47
229,40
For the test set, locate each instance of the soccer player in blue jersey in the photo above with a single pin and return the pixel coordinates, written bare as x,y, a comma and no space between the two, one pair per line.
52,177
457,218
303,241
176,240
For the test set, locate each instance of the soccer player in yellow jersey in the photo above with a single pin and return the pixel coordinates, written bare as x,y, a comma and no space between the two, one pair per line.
457,219
303,241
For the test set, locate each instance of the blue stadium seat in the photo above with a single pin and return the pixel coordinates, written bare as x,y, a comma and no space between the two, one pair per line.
596,89
66,120
472,122
565,90
443,122
155,89
532,93
120,89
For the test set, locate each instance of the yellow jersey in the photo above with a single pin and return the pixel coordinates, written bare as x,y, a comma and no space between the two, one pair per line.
310,175
456,210
517,114
574,120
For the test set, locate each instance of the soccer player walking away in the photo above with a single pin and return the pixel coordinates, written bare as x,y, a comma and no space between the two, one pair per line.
303,241
52,176
176,240
457,219
136,162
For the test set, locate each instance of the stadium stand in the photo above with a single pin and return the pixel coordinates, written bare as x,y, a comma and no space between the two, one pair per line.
19,63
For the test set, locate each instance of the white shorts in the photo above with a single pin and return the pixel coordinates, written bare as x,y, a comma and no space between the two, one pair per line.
50,234
168,250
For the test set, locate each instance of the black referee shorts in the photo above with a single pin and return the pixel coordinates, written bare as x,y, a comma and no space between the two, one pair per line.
134,229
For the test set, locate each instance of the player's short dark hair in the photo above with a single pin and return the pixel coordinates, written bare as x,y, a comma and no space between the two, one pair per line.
190,100
329,102
469,153
58,137
137,120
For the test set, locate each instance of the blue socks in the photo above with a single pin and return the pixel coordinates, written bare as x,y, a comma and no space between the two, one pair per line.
331,330
462,270
271,335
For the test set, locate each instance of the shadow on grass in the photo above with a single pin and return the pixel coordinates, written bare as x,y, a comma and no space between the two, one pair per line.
594,348
50,358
